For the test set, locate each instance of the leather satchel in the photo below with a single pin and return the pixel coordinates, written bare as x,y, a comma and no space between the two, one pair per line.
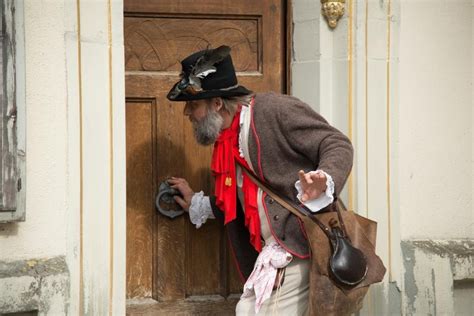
343,259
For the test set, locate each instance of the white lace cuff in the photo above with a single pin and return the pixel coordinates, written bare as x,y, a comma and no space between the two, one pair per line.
324,200
200,209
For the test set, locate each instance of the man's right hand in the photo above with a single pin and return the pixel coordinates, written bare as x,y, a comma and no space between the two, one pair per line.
183,187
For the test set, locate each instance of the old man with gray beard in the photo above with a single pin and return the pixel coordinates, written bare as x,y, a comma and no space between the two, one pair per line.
284,143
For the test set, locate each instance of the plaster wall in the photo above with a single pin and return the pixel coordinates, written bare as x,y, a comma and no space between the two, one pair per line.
33,271
75,177
409,100
305,63
320,63
43,234
436,120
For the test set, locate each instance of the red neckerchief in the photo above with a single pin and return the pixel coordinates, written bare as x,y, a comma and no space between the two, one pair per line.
224,157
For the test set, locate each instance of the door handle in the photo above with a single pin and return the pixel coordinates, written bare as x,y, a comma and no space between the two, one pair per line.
165,196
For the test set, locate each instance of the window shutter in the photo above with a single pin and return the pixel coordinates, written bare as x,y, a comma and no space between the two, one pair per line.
12,114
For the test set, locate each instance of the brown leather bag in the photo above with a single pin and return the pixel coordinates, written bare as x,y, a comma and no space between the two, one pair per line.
329,296
326,296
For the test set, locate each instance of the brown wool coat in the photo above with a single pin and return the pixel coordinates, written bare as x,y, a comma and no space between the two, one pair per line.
287,136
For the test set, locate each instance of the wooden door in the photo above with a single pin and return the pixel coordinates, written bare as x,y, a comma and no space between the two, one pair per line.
169,260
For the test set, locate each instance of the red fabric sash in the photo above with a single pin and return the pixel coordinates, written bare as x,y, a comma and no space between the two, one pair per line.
224,157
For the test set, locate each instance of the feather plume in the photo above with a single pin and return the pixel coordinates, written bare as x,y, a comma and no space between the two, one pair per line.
205,64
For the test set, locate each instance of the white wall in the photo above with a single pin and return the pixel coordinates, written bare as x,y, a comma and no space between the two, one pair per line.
320,63
435,120
306,54
410,102
76,186
43,234
96,86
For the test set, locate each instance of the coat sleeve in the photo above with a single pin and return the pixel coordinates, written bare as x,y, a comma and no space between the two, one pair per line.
311,135
218,214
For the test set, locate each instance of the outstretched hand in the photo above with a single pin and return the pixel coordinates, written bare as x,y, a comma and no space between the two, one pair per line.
184,189
313,184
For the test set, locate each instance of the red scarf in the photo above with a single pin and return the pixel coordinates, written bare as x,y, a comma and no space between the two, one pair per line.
224,157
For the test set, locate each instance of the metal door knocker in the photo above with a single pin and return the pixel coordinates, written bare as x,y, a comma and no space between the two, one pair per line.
165,203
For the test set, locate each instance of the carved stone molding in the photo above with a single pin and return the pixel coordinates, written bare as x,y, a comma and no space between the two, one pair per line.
332,10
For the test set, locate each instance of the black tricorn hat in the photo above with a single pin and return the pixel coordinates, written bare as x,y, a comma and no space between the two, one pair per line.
207,74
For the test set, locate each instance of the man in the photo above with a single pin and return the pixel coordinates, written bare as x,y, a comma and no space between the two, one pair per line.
286,145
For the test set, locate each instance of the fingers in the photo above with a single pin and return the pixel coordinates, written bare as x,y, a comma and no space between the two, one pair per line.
317,176
180,184
304,184
184,189
175,180
181,202
313,184
301,175
305,178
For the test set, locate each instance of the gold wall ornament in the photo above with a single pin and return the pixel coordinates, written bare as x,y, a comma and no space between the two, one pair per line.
332,10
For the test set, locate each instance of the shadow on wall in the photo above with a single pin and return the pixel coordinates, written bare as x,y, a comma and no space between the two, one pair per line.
8,230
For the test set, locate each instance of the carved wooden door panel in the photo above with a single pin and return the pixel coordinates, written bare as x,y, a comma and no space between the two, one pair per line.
169,260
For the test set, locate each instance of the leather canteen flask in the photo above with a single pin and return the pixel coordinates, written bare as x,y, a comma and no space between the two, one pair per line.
347,265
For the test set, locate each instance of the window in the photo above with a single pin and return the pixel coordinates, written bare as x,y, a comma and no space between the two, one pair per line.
12,112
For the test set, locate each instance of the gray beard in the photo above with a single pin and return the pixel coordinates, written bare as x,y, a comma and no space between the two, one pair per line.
208,129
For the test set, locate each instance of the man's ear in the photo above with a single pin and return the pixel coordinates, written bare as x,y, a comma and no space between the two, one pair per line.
217,104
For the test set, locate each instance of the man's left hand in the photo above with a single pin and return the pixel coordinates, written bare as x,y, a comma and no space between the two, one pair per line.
313,184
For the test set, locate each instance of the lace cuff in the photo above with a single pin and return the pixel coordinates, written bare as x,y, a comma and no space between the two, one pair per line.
200,209
324,200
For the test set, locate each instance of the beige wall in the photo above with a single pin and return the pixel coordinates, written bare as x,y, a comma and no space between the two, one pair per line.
435,145
436,120
409,101
75,194
46,94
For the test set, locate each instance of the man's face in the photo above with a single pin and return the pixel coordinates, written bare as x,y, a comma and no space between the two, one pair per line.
196,110
207,122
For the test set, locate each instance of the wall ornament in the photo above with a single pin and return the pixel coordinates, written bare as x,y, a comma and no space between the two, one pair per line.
332,10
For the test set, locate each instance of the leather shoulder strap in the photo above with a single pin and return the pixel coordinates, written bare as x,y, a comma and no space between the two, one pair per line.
299,210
